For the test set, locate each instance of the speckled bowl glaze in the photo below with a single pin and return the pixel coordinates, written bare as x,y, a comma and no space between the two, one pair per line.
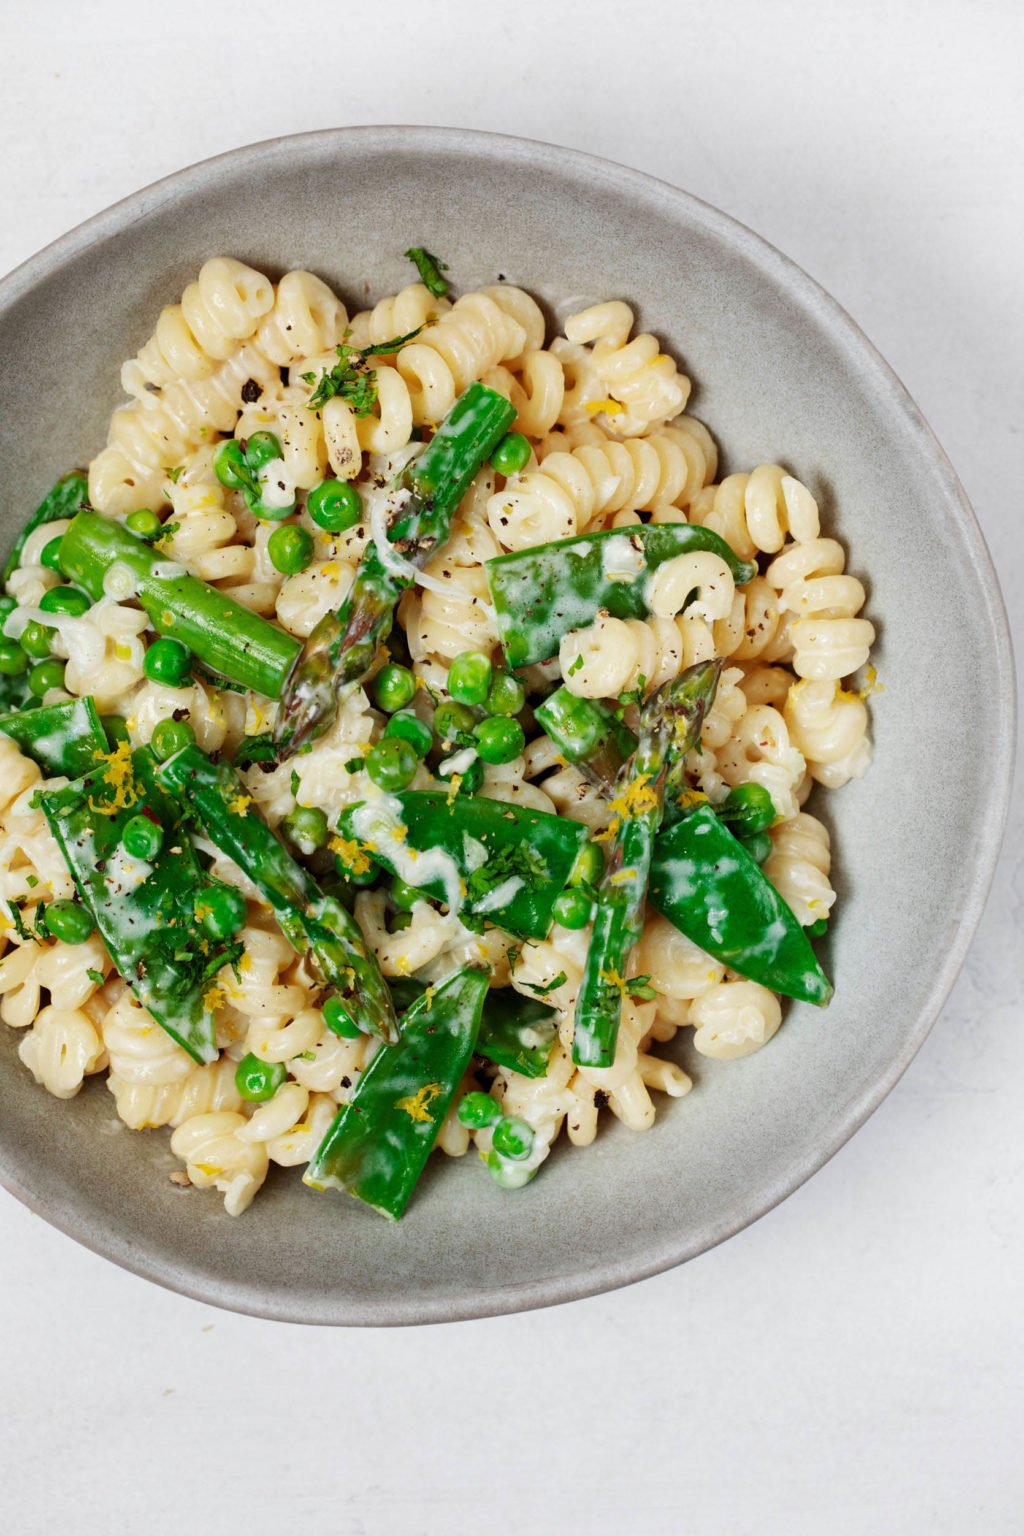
781,373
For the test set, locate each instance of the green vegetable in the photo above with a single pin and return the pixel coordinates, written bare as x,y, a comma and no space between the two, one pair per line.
167,661
310,920
452,721
230,467
65,600
258,1080
261,449
587,734
529,854
409,727
499,739
66,739
758,845
380,1141
506,695
512,454
46,675
706,883
392,765
334,505
344,645
220,910
37,640
478,1110
170,736
513,1138
747,809
351,378
115,728
670,724
68,496
469,677
589,866
574,909
540,594
515,1032
404,896
50,556
429,268
69,921
393,688
13,660
143,523
470,777
290,549
338,1021
142,838
226,637
307,828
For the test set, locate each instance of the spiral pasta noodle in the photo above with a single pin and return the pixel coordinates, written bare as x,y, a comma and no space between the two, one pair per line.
829,641
221,308
799,866
754,513
644,385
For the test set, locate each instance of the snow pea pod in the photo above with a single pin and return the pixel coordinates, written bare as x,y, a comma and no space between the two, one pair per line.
143,910
67,497
540,594
379,1142
710,888
483,857
65,739
310,920
587,734
515,1031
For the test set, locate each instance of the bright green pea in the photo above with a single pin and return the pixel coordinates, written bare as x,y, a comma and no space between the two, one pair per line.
589,866
230,467
409,727
46,675
469,677
404,896
142,838
365,877
748,808
513,1138
221,911
50,556
258,1080
453,720
261,449
334,505
13,660
816,929
338,1019
470,778
143,523
65,600
7,606
477,1110
758,845
168,661
307,828
499,739
170,736
37,640
506,695
400,921
511,455
116,728
393,688
290,549
69,921
573,908
392,765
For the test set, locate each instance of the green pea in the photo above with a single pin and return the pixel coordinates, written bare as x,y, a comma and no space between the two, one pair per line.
7,606
469,677
513,1138
116,728
144,523
290,549
470,778
46,675
142,837
452,721
589,866
816,929
506,695
405,896
748,808
511,455
400,921
306,827
37,640
69,921
65,600
168,661
758,845
258,1080
409,727
363,877
499,739
13,660
573,908
230,467
221,911
170,736
393,688
266,513
392,765
334,505
477,1110
50,556
261,449
338,1019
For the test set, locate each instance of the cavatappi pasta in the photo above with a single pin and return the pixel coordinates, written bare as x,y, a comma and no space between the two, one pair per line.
266,430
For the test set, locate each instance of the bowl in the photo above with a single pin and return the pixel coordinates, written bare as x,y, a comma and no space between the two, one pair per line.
781,373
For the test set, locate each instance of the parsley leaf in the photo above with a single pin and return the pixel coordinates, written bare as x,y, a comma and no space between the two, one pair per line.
640,990
429,268
295,784
96,976
350,378
577,664
552,986
521,861
174,475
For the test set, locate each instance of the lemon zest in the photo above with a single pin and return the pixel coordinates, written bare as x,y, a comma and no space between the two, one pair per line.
605,407
871,684
120,775
351,853
239,804
213,998
416,1105
637,798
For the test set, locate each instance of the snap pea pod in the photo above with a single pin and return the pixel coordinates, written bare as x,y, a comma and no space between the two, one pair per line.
214,793
65,739
670,724
515,1031
344,645
587,734
483,857
709,887
379,1142
226,637
144,910
67,497
539,594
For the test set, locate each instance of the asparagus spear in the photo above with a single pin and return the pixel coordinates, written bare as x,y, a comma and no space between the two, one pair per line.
587,734
62,738
344,645
67,497
230,640
670,725
309,919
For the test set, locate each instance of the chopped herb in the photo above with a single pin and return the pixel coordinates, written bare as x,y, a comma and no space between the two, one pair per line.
634,695
552,986
174,475
306,1056
295,783
577,664
429,268
31,881
96,976
521,861
640,990
167,532
350,378
354,764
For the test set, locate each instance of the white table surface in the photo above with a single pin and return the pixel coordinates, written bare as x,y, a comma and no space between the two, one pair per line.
853,1362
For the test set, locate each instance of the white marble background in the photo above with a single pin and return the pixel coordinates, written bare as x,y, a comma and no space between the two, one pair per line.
853,1362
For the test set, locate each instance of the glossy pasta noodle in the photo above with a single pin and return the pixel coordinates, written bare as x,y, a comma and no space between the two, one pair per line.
321,414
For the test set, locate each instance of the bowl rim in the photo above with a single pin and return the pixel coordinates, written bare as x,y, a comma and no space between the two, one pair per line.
177,1274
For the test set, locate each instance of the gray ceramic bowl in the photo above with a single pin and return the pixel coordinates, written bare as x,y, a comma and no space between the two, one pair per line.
782,373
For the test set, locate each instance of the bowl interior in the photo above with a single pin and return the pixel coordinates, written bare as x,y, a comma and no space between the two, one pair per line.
780,374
